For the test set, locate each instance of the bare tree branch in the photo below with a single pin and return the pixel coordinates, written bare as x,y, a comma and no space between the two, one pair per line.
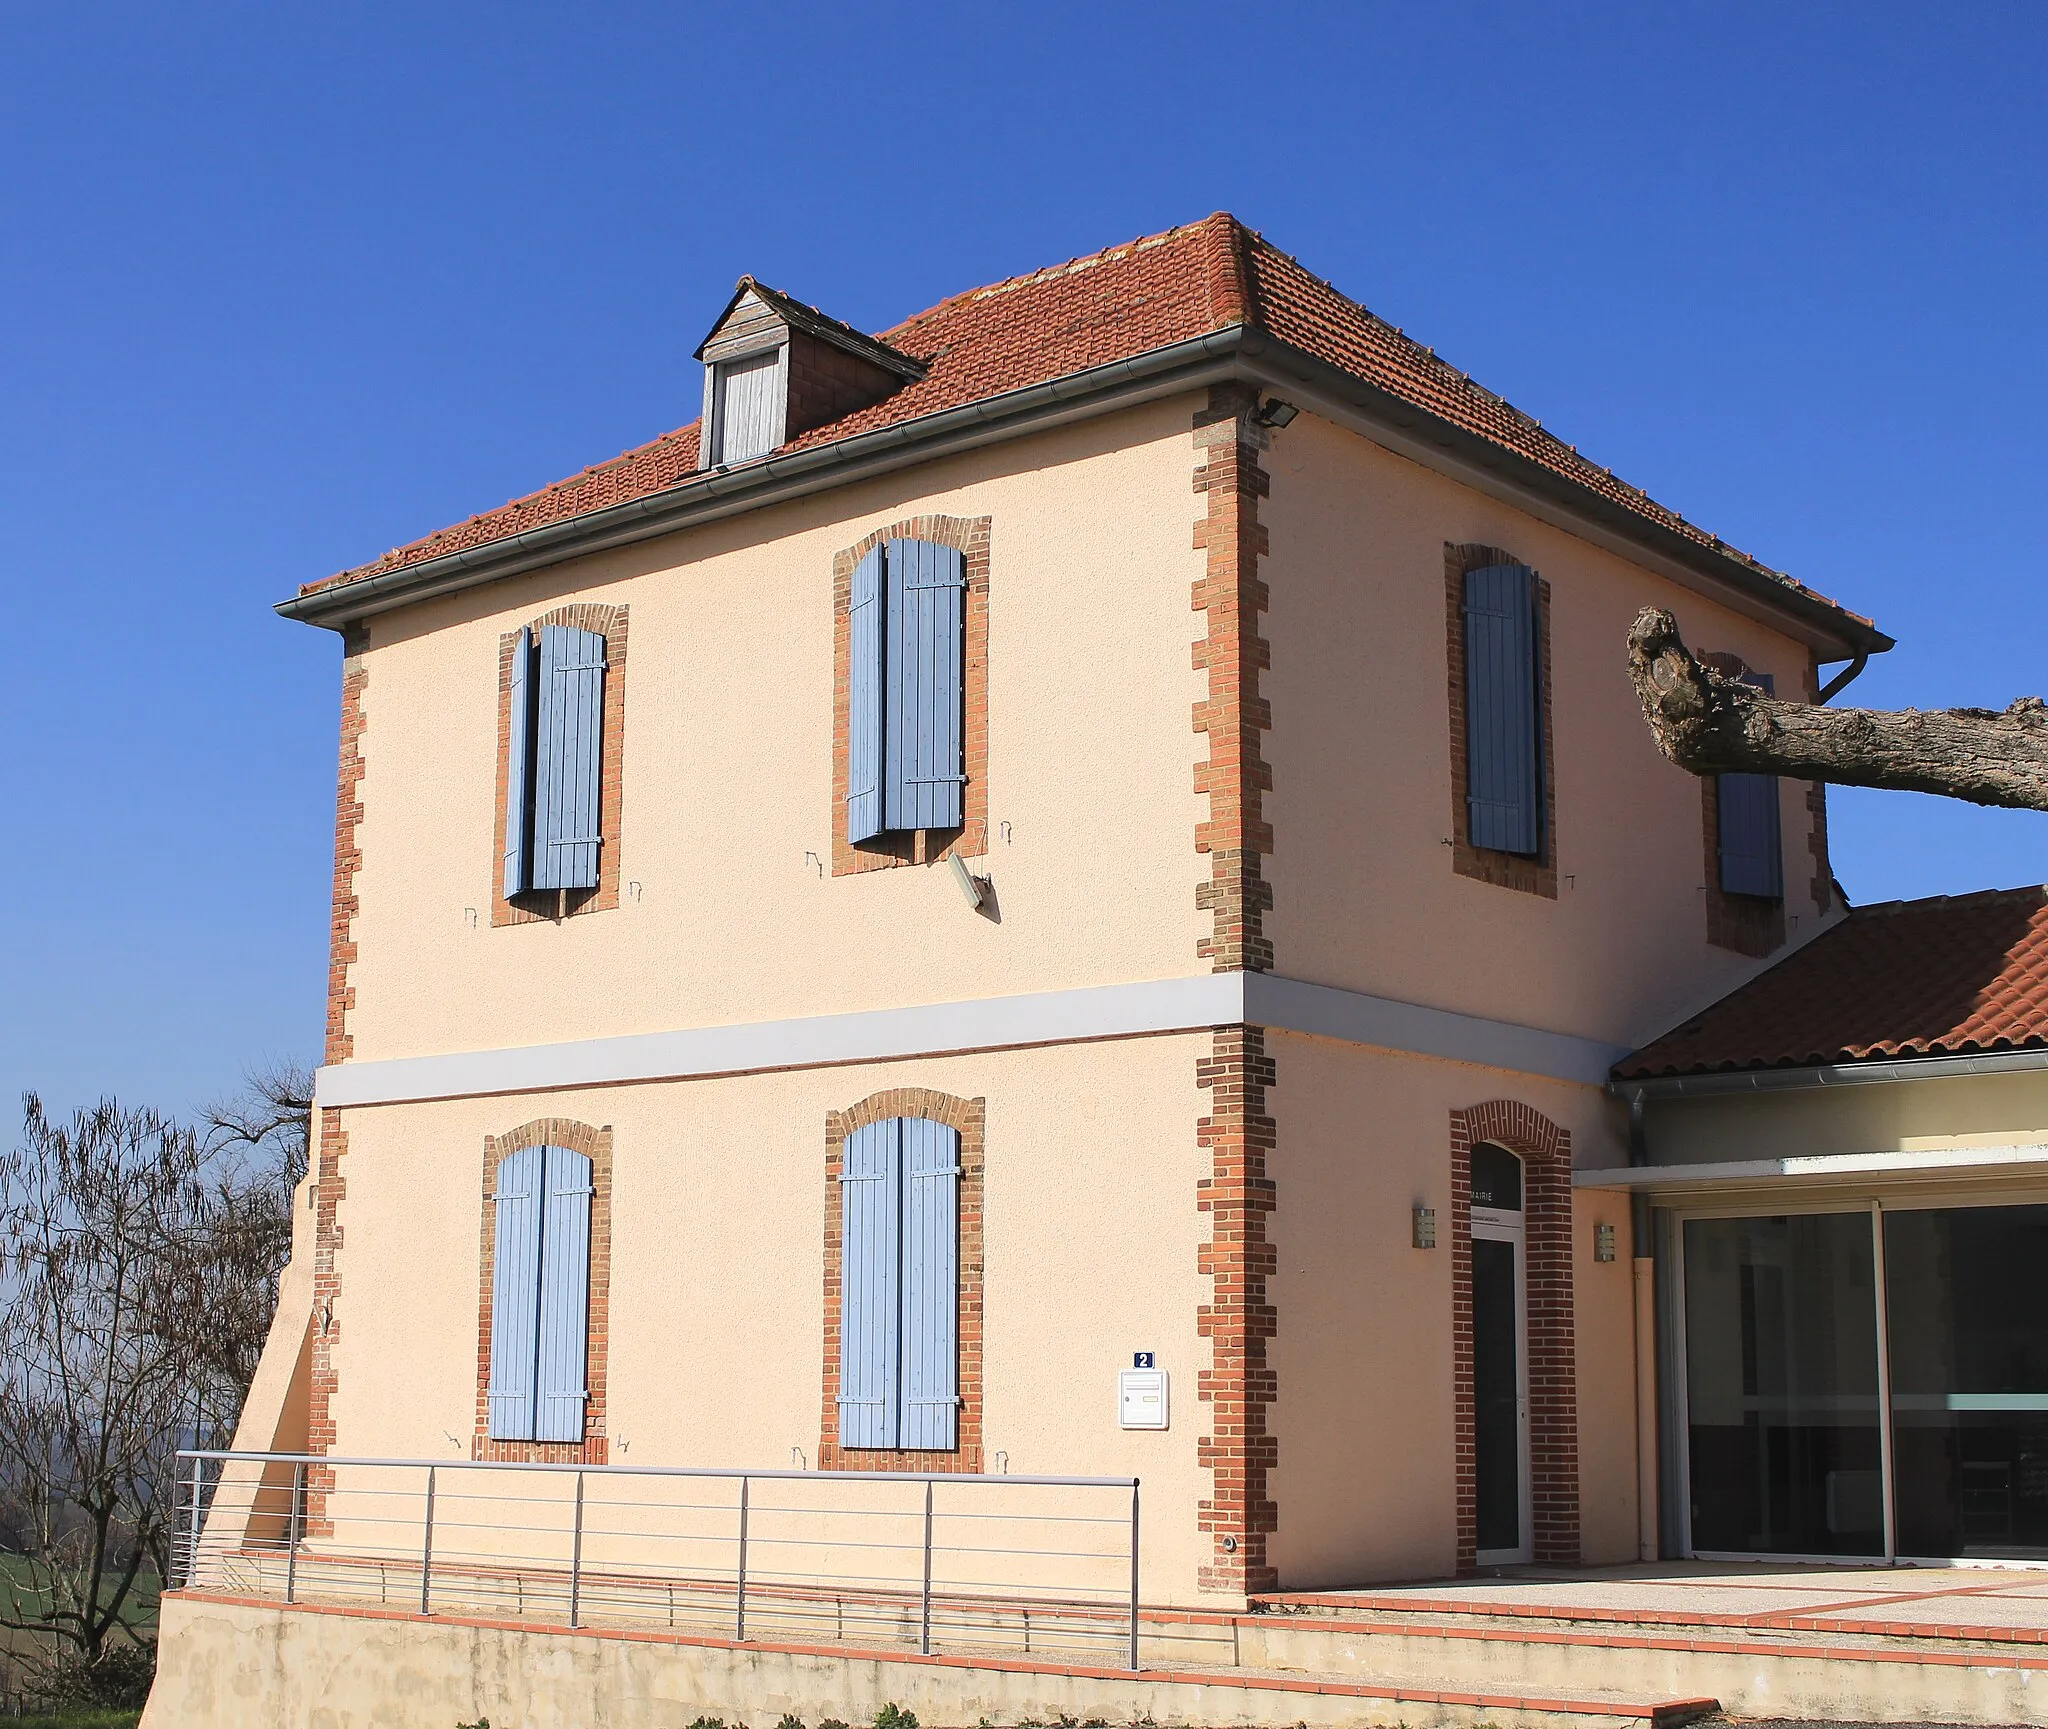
138,1273
1711,724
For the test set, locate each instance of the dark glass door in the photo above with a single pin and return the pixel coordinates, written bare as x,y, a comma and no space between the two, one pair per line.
1497,1392
1967,1321
1786,1455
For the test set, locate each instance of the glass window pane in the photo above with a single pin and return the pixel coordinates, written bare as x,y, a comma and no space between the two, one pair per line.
1781,1385
1496,1178
1967,1319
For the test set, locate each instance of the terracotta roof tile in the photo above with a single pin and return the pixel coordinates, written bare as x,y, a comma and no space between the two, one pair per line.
1112,305
1946,977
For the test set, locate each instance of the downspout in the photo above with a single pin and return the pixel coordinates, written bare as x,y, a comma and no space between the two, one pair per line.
1842,680
1643,1252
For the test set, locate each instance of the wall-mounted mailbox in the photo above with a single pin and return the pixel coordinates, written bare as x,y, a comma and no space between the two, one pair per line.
1142,1398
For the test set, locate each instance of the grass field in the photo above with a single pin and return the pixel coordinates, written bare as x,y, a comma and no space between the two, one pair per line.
77,1720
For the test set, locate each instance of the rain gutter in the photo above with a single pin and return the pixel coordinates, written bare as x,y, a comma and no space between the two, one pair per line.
1660,1087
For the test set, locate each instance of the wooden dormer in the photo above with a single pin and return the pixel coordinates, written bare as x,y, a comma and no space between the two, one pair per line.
775,369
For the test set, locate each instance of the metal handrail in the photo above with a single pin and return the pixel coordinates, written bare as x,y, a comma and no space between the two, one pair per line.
529,1579
729,1473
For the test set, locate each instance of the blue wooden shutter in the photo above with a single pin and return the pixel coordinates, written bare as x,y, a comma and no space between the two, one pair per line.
564,1298
519,772
931,1284
1503,719
864,704
515,1295
922,770
569,758
870,1319
1752,854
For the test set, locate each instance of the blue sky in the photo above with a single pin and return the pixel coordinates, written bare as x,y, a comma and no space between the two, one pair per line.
283,286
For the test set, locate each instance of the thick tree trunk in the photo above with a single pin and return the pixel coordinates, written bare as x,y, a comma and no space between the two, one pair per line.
1710,724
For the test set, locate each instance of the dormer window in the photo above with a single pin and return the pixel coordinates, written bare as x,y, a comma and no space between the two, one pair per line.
747,411
775,369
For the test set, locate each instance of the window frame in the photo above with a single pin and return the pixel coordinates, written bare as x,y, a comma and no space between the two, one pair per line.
966,1117
534,906
1528,873
595,1144
970,536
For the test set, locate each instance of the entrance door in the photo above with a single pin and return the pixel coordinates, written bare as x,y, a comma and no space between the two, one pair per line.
1500,1358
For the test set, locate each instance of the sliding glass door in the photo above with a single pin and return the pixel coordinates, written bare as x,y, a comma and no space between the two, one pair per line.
1867,1383
1783,1418
1967,1315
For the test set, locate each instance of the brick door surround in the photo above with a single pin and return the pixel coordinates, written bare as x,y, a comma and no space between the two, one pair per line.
1546,1154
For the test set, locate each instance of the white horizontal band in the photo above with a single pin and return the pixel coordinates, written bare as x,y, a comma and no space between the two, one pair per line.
981,1024
1810,1167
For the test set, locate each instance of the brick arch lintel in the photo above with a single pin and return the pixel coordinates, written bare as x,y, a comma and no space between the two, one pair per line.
1546,1151
965,534
967,1118
1521,1128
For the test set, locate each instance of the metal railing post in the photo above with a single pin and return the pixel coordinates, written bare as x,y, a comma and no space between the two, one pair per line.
291,1553
576,1560
192,1541
740,1601
1134,1575
924,1638
427,1548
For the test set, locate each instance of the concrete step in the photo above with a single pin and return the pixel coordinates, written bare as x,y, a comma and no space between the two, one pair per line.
1754,1671
241,1663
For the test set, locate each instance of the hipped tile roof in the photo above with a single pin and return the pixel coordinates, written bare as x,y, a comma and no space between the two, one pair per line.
1113,305
1953,976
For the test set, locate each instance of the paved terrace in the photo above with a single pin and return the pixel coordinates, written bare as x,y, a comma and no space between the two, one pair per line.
1969,1603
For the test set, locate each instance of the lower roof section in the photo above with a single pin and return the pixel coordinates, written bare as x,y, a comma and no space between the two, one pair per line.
1141,1010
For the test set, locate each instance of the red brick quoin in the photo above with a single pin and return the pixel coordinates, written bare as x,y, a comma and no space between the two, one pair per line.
596,1146
1239,1386
1233,715
332,1145
967,1118
1546,1154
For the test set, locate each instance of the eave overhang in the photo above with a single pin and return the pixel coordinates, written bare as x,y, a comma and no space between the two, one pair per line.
1238,351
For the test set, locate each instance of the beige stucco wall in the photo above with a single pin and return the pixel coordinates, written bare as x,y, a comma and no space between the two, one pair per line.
728,765
1961,1111
716,1337
1364,893
1366,1481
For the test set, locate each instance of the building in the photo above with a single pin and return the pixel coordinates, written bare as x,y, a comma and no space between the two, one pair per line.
1847,1168
1105,825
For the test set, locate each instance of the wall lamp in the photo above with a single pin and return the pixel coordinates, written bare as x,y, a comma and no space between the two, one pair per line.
1276,413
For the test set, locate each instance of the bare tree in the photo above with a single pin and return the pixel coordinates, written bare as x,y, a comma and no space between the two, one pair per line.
258,1142
94,1215
1709,723
138,1273
271,1118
